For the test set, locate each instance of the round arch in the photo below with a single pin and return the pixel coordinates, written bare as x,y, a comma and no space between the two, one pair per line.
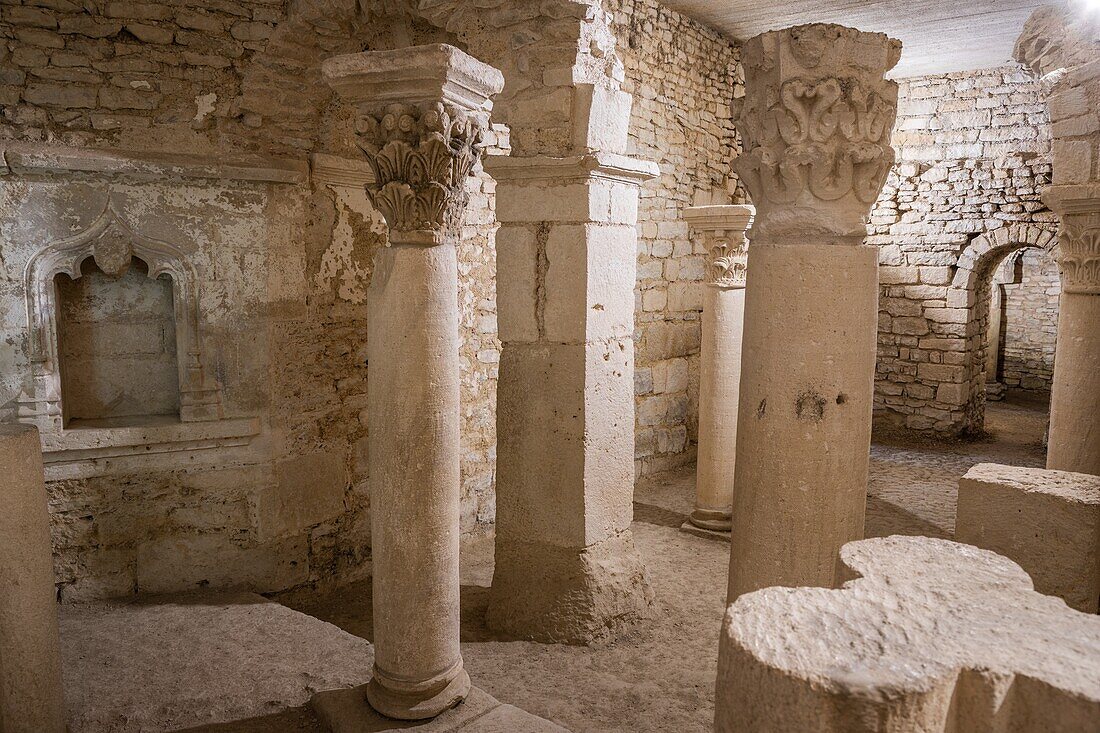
970,293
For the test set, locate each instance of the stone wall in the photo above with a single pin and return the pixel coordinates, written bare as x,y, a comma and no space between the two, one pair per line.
973,154
284,269
683,77
1030,326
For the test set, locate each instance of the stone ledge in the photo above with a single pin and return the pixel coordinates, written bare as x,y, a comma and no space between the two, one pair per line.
609,166
144,436
38,159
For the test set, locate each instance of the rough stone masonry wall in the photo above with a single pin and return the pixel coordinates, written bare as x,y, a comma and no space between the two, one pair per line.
1030,325
683,77
973,153
284,316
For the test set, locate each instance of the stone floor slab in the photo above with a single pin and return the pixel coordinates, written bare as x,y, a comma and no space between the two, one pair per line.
226,661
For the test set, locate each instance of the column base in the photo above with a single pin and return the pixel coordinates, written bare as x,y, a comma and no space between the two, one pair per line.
417,700
716,521
568,595
707,534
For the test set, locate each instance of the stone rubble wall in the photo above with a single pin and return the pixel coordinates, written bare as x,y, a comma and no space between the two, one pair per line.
973,153
683,77
1030,327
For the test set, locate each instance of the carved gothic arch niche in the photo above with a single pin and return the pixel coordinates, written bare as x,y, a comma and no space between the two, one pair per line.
971,289
112,244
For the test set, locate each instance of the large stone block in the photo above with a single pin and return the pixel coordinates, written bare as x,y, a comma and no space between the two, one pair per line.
925,635
30,660
307,491
1047,521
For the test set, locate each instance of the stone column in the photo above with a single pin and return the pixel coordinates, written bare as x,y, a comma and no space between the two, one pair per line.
816,123
566,567
30,655
723,231
1074,439
421,115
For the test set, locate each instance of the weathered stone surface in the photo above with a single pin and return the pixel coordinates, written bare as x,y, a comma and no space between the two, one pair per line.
925,635
202,659
31,699
1048,522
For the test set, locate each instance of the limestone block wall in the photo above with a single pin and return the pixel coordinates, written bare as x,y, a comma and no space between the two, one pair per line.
683,77
973,154
1030,325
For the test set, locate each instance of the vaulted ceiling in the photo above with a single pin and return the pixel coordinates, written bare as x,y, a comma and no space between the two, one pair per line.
938,36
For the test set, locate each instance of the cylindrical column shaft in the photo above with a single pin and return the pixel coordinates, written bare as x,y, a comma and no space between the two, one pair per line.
30,656
804,421
722,229
414,448
1074,440
719,382
816,122
422,114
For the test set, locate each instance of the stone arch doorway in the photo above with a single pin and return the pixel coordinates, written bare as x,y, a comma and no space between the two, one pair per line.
968,306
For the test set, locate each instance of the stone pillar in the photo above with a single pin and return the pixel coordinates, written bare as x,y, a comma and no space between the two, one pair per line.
816,123
566,567
1074,439
30,655
421,115
723,231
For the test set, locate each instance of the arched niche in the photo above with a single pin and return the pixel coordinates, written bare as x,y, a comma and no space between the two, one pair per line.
112,244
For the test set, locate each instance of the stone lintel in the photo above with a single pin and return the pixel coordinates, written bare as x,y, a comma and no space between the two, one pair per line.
38,159
416,75
606,166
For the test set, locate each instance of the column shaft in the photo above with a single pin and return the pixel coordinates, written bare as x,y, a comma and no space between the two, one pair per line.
30,656
719,384
422,113
805,413
722,229
1074,440
816,120
414,452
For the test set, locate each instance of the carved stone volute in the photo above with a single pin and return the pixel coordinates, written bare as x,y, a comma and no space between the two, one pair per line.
1078,206
722,229
422,114
815,125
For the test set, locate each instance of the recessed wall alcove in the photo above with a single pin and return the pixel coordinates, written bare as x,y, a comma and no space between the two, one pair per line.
117,366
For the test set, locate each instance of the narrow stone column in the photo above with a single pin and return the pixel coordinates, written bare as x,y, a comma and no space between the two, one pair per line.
30,655
566,567
723,231
1074,440
421,115
816,123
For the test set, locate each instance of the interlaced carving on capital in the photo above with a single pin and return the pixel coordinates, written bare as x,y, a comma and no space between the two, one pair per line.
727,260
421,158
1079,259
830,136
817,116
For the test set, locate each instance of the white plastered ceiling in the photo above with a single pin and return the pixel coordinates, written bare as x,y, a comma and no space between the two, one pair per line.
938,36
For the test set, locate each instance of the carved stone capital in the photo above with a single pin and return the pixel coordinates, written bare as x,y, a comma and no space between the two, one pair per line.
723,231
422,115
1079,237
815,124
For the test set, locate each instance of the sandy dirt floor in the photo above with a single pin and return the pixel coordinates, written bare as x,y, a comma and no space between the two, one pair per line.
659,676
